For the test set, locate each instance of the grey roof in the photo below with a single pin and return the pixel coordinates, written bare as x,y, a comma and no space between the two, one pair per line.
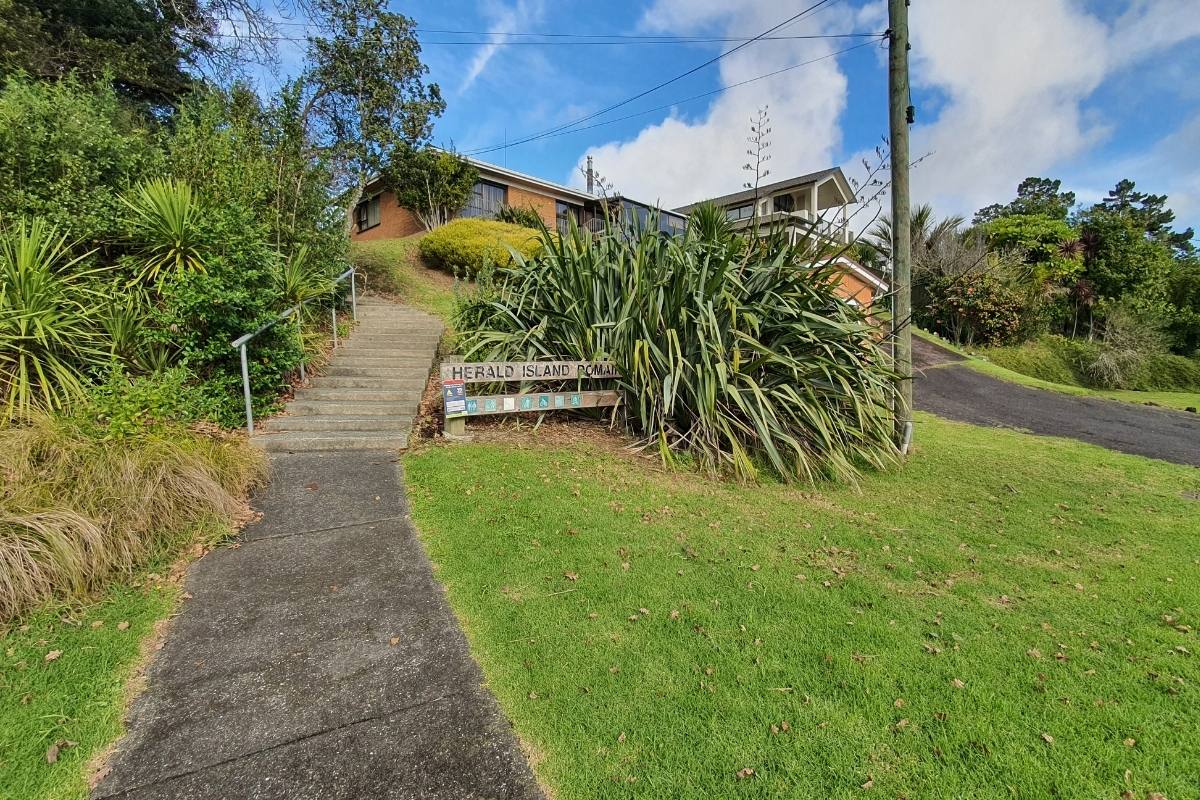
800,180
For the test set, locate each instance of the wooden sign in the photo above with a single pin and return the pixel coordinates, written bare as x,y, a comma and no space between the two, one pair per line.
512,371
538,401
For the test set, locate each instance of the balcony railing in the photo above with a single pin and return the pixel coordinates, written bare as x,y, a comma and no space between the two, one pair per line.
832,229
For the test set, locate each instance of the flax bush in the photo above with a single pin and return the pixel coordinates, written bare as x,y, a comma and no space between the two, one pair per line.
735,356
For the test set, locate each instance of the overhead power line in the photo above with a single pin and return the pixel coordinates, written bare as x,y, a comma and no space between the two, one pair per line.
614,42
684,100
656,87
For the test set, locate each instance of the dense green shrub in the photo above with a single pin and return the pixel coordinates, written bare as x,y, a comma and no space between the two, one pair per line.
67,152
202,312
463,246
123,404
976,309
735,357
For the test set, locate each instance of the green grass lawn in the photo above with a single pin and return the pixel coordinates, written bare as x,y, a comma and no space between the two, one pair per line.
1008,616
75,698
394,267
1176,400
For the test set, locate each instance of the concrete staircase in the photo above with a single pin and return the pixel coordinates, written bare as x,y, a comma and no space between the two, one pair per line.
370,392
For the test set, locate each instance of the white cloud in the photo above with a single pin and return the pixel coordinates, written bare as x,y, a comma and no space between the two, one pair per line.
503,18
684,158
1015,75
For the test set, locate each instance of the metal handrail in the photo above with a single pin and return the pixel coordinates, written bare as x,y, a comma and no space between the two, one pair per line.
241,342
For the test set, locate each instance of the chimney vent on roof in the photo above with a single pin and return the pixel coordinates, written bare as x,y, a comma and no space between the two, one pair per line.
590,177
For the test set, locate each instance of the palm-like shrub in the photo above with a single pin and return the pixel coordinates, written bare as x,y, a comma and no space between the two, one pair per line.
49,337
301,279
740,357
165,228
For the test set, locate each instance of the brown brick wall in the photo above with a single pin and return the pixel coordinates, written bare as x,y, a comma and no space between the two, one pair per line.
543,205
394,222
851,286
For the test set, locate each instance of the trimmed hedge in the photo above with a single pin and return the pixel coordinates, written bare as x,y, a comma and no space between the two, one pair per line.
462,246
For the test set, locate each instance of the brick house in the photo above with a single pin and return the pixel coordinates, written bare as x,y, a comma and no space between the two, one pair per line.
817,203
379,216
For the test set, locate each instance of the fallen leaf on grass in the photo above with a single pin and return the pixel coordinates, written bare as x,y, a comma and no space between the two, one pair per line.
53,655
53,750
533,695
870,782
122,625
98,623
674,614
957,684
621,738
1130,742
1047,738
1033,653
755,567
744,773
899,702
571,576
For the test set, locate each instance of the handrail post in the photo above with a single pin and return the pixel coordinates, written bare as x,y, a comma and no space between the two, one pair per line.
353,295
300,336
333,311
246,391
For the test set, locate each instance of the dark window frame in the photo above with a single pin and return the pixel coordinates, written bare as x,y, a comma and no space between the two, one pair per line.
487,198
363,213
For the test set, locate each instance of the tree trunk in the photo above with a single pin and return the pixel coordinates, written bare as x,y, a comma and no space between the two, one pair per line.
355,196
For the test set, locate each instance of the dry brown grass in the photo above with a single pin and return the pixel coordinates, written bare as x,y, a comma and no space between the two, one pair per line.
77,509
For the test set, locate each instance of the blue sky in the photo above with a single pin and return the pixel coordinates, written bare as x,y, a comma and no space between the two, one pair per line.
1089,92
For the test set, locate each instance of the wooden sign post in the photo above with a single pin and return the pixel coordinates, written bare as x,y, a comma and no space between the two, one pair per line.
457,405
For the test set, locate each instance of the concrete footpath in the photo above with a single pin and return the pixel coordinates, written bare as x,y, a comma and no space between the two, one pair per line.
318,659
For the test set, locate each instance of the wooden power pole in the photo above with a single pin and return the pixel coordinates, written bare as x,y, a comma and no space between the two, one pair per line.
900,117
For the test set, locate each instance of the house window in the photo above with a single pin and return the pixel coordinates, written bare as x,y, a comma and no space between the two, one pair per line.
366,213
784,202
741,212
671,224
486,200
563,214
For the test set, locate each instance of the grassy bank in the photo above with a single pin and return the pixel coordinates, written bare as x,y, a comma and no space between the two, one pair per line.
981,362
394,267
1007,616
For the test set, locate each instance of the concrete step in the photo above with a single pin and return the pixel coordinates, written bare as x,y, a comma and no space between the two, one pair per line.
399,361
382,422
401,371
387,339
399,380
352,408
355,395
386,352
310,441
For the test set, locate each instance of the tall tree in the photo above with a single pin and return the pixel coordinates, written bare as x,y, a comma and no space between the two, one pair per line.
1150,212
433,184
367,93
136,43
1035,196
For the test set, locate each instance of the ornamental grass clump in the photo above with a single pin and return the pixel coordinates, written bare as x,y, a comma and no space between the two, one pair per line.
735,355
77,507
